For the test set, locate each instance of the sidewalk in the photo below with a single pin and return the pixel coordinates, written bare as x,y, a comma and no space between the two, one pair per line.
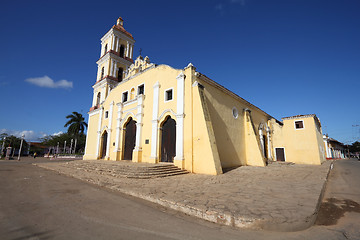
280,197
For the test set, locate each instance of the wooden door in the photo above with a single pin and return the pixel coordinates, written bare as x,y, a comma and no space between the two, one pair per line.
280,154
168,140
104,145
130,137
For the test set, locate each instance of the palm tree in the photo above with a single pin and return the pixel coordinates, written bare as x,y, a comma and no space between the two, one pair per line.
76,125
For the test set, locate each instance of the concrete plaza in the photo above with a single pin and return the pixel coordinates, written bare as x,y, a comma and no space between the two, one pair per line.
280,197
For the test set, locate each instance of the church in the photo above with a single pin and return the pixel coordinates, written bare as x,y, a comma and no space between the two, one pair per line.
144,112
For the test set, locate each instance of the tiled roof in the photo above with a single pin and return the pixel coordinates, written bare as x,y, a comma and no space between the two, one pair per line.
299,116
122,29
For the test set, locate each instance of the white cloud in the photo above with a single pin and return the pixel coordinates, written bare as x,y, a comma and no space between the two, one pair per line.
30,135
47,82
57,134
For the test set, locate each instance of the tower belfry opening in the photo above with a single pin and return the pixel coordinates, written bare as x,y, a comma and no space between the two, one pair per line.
116,57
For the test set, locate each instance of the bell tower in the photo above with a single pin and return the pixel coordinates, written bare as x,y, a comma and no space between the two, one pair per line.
115,58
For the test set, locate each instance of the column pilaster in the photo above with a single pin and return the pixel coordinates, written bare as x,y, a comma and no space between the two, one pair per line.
118,131
109,130
137,153
113,43
178,160
154,123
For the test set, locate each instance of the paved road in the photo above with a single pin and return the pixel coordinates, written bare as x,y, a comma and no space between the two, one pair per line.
41,204
340,208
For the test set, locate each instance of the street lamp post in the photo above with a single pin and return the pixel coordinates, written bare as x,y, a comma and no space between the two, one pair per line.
75,145
71,145
2,148
22,139
64,146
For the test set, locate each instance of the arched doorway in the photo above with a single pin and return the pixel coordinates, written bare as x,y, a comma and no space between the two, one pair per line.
103,145
122,51
168,140
130,137
263,140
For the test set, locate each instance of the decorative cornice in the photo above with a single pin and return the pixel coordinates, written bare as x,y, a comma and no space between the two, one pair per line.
299,116
181,76
111,54
94,111
117,33
129,103
180,115
190,65
106,80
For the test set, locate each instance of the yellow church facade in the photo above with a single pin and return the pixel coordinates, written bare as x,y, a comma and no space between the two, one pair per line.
143,112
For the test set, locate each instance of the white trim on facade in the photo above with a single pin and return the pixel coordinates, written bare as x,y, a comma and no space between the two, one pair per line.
165,112
154,122
137,89
276,155
109,130
125,118
127,97
118,34
139,123
303,123
268,135
180,116
118,127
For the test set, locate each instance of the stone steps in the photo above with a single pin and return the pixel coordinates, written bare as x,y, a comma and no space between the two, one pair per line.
134,171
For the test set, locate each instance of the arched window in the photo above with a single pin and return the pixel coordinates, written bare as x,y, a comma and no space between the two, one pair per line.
122,51
132,93
120,74
105,49
98,99
102,73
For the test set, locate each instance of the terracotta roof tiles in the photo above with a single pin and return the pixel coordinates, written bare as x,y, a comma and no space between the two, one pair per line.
122,29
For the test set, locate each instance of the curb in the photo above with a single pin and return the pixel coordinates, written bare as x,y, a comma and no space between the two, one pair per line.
321,196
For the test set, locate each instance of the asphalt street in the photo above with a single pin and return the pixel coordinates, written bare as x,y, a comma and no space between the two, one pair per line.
42,204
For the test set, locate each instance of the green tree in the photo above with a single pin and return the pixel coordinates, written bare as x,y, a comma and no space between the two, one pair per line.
355,147
52,141
12,141
76,124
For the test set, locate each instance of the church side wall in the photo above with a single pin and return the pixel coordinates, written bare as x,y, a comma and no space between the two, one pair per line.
302,145
91,137
229,131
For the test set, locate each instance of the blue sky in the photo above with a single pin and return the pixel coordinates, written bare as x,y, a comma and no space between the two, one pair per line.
287,57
